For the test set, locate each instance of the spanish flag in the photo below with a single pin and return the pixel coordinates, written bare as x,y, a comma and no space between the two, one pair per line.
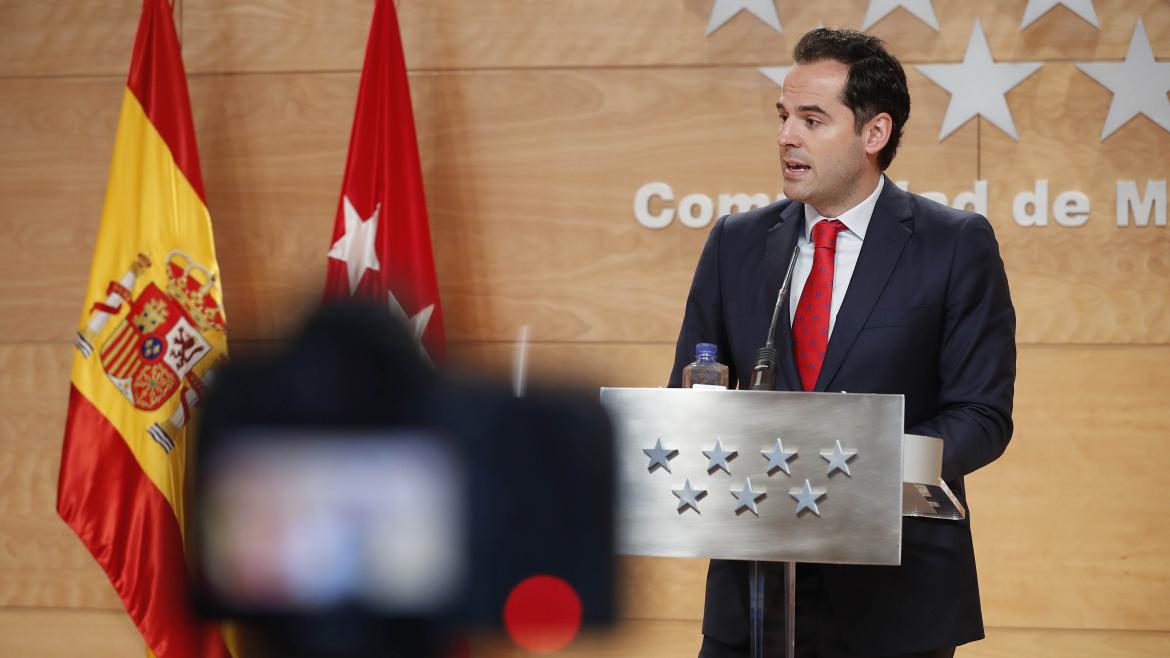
151,334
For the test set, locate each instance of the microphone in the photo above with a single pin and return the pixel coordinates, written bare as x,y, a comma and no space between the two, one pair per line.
764,374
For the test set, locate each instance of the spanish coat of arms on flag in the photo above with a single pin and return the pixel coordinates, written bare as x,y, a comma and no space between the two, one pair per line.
151,334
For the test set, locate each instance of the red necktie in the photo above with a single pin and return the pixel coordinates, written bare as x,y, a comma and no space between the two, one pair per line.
810,327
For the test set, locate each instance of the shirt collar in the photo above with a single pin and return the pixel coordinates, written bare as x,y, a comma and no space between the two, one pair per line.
856,219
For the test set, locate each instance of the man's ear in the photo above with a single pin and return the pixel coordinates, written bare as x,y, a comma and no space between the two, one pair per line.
876,133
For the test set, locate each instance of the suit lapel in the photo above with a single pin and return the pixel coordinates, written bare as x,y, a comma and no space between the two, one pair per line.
889,230
780,241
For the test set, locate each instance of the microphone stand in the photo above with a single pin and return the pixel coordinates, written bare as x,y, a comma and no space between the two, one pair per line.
764,379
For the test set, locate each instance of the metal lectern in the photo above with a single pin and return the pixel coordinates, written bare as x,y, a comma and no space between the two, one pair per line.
764,476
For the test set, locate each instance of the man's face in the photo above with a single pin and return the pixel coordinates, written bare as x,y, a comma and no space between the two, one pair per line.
822,157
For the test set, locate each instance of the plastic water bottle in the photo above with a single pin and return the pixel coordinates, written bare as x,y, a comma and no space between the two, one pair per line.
706,371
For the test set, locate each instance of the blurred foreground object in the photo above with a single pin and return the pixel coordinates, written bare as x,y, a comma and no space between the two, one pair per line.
353,501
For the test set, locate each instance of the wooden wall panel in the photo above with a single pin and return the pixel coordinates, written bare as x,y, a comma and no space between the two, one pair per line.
77,37
42,563
583,365
661,588
68,633
516,248
1121,274
559,250
1062,35
512,247
58,134
537,122
1067,643
273,150
273,35
1119,290
644,639
110,634
654,639
1071,515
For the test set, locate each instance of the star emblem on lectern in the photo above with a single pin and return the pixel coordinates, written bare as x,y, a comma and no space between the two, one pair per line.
659,457
838,459
688,496
806,498
778,458
746,498
717,457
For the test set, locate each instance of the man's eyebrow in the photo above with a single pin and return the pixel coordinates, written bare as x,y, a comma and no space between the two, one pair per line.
805,109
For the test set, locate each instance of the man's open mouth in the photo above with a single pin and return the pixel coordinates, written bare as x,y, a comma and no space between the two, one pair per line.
795,167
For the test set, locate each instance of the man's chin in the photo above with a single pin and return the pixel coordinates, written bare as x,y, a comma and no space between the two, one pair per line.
795,190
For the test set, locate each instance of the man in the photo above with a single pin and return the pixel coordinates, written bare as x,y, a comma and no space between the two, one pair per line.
912,299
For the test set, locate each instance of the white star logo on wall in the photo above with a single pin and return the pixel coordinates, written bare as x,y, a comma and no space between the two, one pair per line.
775,73
356,247
1139,84
978,86
879,9
723,11
1082,8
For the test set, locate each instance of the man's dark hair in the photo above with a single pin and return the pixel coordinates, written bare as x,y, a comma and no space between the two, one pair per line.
876,81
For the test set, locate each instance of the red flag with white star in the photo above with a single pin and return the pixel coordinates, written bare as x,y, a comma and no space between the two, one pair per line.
381,249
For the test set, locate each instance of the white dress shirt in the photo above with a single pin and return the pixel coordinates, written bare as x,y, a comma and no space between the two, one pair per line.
856,221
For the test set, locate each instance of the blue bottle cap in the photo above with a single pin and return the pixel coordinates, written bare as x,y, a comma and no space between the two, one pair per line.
706,349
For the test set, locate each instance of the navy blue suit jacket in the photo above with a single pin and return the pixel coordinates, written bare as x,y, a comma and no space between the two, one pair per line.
927,315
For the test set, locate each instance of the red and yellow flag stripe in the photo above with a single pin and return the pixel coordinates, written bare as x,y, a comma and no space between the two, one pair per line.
143,359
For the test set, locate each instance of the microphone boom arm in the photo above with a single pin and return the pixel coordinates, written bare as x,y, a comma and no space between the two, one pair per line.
764,374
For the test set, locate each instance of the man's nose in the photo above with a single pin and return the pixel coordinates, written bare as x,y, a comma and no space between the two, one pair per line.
787,135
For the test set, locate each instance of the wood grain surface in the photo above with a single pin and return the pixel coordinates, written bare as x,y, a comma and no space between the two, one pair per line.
1121,275
42,563
1067,643
1067,518
58,135
660,638
277,35
57,633
110,634
84,37
531,177
73,38
537,123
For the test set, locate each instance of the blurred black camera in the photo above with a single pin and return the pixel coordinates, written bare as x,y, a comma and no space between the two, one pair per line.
351,500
